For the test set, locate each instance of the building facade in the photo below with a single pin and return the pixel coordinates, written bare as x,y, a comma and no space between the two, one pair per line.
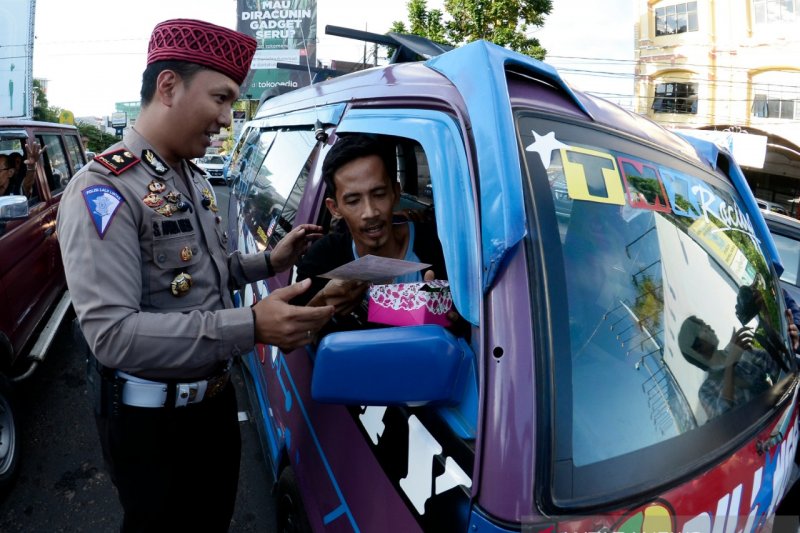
731,67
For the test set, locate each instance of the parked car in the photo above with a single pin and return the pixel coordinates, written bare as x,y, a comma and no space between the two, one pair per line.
786,233
772,207
213,165
33,296
597,258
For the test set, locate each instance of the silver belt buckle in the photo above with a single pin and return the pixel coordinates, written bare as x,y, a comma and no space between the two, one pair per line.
189,393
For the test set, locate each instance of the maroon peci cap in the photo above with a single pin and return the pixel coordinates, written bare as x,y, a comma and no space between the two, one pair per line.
196,41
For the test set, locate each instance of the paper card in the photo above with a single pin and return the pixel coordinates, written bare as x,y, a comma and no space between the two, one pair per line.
374,268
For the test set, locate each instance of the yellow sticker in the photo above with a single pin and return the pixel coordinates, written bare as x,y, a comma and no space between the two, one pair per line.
592,176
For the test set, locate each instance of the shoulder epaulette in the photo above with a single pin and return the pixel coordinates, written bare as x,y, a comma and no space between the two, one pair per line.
117,161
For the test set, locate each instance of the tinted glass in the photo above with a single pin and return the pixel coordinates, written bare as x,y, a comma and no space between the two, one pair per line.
76,155
665,287
56,163
789,250
275,189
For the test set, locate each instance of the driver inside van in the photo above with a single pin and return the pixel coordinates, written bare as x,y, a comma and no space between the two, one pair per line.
359,173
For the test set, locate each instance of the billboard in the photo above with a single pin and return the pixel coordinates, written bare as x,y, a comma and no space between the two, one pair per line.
119,119
286,32
16,58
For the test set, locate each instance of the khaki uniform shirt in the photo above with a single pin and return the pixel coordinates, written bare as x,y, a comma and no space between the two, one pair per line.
123,248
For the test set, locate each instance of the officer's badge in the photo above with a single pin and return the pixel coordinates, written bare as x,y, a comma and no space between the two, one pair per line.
167,210
186,253
117,161
103,202
181,284
153,200
156,187
173,197
209,201
154,162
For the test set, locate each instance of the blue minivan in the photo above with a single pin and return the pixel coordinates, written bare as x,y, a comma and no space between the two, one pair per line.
595,256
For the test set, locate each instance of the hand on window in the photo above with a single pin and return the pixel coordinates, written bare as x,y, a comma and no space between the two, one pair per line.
293,245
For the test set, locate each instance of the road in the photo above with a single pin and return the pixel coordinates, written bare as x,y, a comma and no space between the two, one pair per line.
62,484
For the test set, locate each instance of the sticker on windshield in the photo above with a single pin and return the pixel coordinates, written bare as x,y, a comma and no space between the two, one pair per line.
592,176
544,145
102,202
643,185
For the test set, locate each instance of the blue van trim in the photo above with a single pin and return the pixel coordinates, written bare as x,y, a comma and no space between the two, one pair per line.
453,194
329,114
480,523
251,362
709,152
343,508
484,89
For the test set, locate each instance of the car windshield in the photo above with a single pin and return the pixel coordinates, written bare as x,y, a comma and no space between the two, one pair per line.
214,160
671,308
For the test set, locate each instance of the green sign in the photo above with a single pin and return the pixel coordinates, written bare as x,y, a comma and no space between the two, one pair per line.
286,31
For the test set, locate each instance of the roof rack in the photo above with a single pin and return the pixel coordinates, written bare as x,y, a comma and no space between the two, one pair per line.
407,47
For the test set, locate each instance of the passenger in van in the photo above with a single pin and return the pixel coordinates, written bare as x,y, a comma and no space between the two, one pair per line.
736,373
359,172
16,178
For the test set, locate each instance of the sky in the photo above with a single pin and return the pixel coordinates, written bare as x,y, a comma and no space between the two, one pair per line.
93,52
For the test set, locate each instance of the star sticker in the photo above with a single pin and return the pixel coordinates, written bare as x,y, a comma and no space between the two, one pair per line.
544,146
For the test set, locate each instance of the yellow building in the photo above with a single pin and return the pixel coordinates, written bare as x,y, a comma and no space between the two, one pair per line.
732,66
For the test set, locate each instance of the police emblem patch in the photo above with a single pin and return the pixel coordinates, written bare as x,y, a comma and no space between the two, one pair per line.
102,202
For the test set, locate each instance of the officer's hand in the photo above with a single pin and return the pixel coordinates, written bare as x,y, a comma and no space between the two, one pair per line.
293,245
343,295
288,326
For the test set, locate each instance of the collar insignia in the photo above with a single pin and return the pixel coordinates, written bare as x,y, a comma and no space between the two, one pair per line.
117,161
154,162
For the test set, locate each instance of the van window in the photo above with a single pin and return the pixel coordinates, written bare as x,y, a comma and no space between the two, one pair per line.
275,189
790,257
76,155
56,164
241,151
660,283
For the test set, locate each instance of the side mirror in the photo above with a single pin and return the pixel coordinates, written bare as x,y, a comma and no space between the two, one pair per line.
415,365
13,207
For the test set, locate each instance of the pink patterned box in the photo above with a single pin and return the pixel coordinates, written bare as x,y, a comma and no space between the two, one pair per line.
410,304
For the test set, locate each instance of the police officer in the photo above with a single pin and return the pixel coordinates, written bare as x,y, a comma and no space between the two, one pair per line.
146,264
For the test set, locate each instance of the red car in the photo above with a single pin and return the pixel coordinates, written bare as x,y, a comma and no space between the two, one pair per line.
33,296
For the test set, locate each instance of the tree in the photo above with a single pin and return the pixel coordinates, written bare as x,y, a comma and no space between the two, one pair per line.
96,139
41,109
503,22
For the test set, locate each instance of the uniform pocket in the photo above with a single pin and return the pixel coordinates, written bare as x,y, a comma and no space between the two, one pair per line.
173,256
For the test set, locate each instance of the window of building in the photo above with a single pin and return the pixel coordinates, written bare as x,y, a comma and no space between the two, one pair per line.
776,95
770,11
675,97
766,107
677,18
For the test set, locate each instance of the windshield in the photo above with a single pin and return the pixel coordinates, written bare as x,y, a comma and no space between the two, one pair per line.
673,315
213,160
